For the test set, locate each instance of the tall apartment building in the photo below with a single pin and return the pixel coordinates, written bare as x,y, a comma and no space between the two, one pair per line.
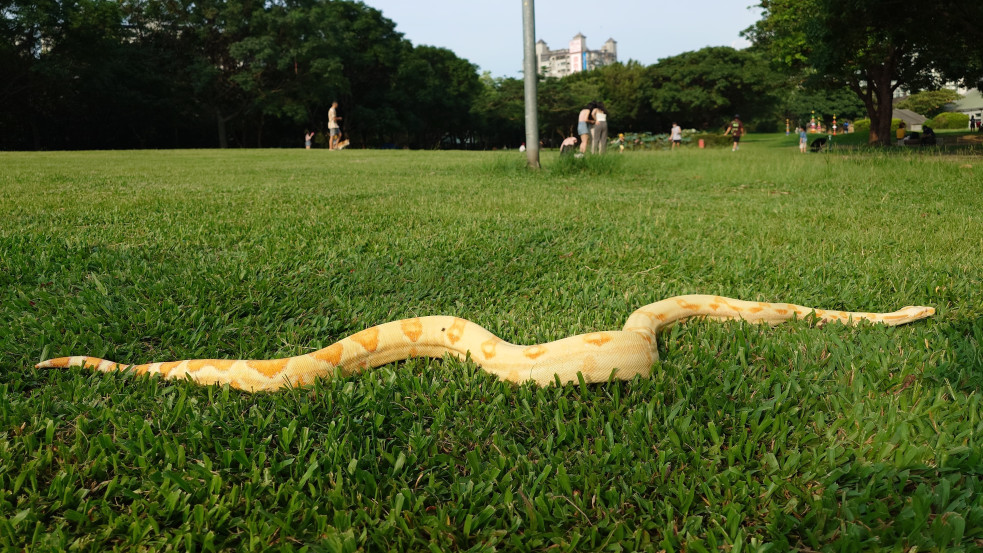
560,63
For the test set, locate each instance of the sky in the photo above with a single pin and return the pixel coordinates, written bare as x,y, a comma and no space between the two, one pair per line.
489,33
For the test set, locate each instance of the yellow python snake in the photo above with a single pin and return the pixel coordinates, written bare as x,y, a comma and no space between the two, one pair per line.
597,356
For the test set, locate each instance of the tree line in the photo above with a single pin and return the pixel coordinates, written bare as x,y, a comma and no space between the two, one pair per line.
92,74
216,73
873,48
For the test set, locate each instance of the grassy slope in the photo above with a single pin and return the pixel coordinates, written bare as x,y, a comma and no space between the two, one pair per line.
796,436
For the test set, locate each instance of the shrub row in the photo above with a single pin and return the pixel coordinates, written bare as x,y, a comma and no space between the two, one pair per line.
947,120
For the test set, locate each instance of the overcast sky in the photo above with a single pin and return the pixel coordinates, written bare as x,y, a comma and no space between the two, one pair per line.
489,33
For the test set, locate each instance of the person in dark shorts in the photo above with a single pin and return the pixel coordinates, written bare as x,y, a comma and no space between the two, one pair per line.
334,129
735,129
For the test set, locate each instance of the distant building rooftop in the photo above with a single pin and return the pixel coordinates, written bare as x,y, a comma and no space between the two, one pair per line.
911,119
972,101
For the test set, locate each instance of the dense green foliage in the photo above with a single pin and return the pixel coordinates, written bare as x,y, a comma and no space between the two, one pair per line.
949,121
929,102
799,437
874,47
801,104
106,74
703,88
863,125
155,73
98,74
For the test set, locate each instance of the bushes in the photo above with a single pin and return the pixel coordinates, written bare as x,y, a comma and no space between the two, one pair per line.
647,140
712,139
949,120
863,125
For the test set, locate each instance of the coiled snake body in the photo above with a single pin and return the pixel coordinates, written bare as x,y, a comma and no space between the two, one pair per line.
597,356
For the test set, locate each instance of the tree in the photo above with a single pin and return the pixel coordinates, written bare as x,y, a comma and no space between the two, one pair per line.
802,102
627,91
438,89
929,102
707,87
873,47
560,100
498,112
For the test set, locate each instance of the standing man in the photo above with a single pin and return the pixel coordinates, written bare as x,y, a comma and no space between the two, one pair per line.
676,135
736,129
333,127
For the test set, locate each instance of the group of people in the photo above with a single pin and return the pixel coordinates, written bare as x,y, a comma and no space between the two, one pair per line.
592,126
334,131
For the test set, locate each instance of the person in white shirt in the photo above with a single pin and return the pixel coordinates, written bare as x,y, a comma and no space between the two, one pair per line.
333,127
599,132
677,136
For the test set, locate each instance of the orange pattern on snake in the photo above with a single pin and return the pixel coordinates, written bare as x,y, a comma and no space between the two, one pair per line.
597,356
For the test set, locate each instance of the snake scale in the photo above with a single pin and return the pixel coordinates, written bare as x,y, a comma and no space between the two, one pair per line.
597,356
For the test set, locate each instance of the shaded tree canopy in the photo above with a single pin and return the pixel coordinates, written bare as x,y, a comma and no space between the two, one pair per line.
180,73
929,102
874,47
260,73
702,89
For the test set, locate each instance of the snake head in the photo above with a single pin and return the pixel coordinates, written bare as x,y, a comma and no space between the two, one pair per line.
915,312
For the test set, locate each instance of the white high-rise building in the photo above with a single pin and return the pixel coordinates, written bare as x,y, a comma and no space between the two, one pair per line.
576,58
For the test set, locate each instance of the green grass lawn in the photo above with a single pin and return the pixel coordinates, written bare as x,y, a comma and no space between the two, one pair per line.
746,438
949,141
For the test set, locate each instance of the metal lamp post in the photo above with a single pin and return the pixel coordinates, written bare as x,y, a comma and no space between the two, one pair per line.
530,74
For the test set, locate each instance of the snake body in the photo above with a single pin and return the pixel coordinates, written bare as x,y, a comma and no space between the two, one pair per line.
597,356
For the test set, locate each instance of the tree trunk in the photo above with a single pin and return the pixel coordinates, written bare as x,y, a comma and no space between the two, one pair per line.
35,134
880,118
259,131
879,98
223,137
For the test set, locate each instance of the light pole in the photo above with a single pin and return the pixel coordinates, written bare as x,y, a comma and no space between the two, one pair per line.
530,74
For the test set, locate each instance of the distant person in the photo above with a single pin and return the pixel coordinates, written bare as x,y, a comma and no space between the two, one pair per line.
972,122
735,129
676,135
307,140
584,122
334,129
803,140
522,147
621,143
900,134
568,145
599,132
